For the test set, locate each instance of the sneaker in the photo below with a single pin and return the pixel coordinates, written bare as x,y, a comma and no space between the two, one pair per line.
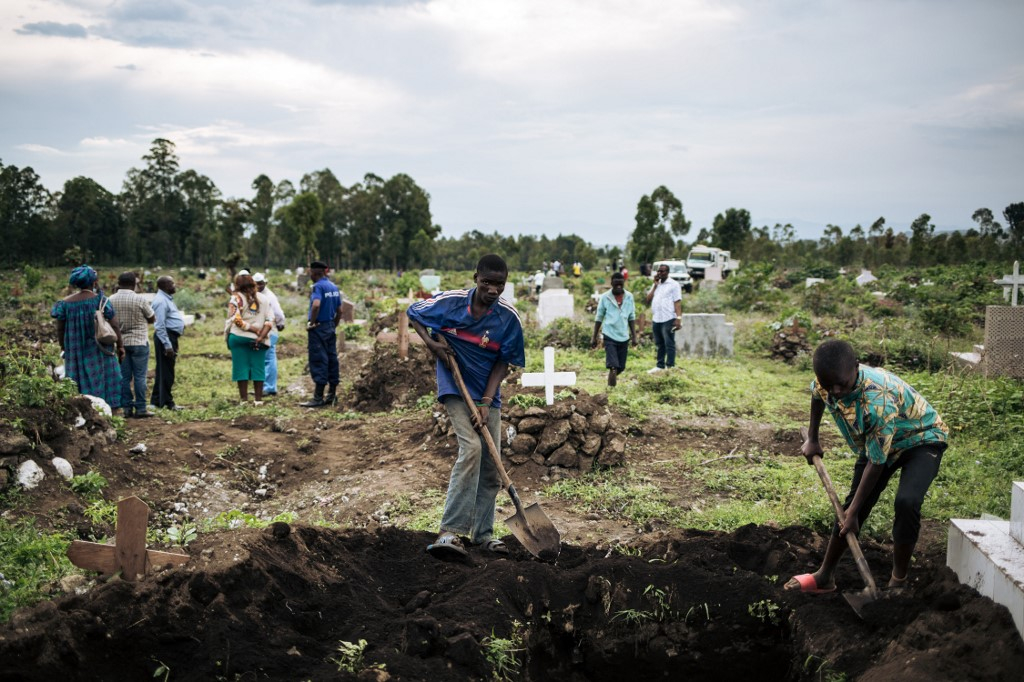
142,415
655,370
257,403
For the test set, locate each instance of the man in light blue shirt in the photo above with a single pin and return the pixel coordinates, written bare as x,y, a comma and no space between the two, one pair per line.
616,313
169,325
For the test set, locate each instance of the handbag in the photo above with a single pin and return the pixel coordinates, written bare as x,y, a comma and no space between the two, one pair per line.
105,334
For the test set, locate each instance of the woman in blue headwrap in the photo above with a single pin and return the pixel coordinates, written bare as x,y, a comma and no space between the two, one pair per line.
93,367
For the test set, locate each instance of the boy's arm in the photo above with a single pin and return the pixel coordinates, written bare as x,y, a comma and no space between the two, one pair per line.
811,446
597,329
632,332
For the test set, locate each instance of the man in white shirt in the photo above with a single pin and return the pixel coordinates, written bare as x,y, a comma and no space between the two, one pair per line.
666,301
270,383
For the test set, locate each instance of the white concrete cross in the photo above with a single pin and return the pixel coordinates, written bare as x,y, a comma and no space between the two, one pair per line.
1014,280
549,378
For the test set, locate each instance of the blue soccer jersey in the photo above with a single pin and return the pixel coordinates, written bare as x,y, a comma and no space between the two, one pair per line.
478,344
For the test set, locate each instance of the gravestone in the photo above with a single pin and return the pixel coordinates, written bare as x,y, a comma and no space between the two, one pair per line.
812,281
552,283
865,277
1002,354
705,335
549,378
128,554
508,294
553,304
430,282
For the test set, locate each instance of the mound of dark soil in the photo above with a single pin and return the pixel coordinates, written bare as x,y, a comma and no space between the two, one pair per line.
386,381
275,604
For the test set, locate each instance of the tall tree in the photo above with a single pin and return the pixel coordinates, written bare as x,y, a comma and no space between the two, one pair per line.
262,217
1014,214
25,216
200,241
153,205
731,229
921,231
406,214
306,216
88,216
331,193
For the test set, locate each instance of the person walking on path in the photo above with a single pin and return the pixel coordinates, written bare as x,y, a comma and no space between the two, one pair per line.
891,428
616,315
92,366
168,327
135,314
270,383
485,337
322,332
251,322
666,301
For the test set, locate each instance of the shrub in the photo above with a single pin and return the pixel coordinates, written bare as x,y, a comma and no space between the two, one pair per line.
32,277
567,333
750,288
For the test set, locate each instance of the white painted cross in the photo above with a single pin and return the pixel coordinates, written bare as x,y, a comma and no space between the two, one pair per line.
549,378
1014,280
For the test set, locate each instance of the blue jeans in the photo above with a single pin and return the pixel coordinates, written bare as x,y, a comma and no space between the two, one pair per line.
133,370
474,483
270,383
665,341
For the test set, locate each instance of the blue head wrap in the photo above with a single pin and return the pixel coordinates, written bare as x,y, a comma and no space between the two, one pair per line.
83,277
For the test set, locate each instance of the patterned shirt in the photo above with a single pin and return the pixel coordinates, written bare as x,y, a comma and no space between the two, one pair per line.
478,343
615,318
133,312
883,416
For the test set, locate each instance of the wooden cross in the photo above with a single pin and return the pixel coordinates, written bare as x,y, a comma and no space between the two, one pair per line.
549,378
129,554
1014,280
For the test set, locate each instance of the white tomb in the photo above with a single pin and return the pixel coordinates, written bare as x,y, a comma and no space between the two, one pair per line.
508,294
553,304
865,277
705,335
812,281
549,378
989,556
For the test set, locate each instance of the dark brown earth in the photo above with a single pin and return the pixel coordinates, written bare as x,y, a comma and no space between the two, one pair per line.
620,602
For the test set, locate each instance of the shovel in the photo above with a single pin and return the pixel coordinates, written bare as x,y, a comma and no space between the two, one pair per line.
530,525
856,599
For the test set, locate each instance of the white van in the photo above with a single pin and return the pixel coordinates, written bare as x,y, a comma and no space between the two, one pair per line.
676,270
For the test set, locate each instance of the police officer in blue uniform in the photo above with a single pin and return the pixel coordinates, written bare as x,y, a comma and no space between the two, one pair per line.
321,327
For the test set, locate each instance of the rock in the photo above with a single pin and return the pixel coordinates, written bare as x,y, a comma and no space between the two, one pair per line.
139,449
5,478
586,463
553,436
73,584
464,650
100,405
539,412
560,410
599,422
532,424
524,444
591,445
537,458
63,468
600,399
515,413
519,459
279,530
14,443
420,635
421,600
614,450
578,423
509,431
44,451
564,457
30,474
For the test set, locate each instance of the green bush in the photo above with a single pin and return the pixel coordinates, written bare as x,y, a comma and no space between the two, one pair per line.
26,381
32,277
566,333
751,288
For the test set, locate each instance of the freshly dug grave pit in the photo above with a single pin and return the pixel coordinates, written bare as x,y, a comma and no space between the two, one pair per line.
274,604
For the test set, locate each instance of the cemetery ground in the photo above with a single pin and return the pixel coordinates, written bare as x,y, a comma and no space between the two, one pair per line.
306,529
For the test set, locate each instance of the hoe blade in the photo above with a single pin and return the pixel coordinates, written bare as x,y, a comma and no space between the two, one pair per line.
535,532
859,599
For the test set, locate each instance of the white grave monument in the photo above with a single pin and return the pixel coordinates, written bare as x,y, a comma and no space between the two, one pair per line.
549,378
508,294
1002,354
705,335
989,556
865,277
553,304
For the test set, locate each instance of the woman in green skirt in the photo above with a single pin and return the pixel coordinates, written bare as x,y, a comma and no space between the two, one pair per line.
251,321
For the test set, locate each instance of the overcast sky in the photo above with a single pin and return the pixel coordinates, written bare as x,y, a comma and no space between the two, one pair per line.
539,116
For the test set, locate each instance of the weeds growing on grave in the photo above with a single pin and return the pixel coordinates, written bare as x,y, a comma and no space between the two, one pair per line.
31,560
503,653
351,658
89,485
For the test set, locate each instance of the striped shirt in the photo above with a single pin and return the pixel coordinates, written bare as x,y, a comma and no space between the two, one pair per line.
133,311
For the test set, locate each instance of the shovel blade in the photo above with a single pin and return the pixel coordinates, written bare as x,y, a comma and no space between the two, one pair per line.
859,599
535,532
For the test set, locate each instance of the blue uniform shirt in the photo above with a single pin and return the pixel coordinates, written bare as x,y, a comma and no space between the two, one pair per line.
329,297
496,337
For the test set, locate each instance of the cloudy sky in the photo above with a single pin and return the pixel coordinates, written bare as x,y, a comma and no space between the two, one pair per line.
539,116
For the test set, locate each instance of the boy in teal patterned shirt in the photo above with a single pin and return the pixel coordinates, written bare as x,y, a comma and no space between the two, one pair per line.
890,427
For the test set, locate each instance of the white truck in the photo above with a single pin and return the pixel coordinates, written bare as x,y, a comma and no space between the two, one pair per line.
702,258
678,271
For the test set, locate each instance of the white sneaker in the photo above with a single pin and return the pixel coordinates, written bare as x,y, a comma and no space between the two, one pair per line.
654,370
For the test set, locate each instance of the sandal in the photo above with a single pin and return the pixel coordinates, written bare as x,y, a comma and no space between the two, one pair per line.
494,546
807,584
447,546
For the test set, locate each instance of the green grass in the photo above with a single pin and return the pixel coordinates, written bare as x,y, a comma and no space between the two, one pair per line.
31,561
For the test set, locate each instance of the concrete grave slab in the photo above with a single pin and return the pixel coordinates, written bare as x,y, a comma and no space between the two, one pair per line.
553,304
705,335
552,283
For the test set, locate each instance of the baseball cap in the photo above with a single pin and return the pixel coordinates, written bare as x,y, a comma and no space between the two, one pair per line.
259,277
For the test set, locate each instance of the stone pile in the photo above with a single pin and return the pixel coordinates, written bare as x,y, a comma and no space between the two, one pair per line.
574,434
790,341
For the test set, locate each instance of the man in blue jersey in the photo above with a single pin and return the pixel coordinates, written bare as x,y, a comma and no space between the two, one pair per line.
484,336
321,327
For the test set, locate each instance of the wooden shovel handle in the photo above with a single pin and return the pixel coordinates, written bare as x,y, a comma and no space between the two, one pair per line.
851,539
482,428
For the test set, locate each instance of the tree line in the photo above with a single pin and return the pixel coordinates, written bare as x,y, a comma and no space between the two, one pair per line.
166,215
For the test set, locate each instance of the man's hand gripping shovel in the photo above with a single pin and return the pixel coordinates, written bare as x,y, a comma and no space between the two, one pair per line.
530,525
857,599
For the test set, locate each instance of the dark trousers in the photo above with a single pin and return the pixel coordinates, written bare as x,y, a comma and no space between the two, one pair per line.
323,354
665,342
919,466
164,380
615,353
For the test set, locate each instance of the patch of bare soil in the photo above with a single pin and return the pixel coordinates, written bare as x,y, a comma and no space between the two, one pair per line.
275,603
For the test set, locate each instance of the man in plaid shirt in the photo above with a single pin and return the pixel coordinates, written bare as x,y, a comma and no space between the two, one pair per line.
134,313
